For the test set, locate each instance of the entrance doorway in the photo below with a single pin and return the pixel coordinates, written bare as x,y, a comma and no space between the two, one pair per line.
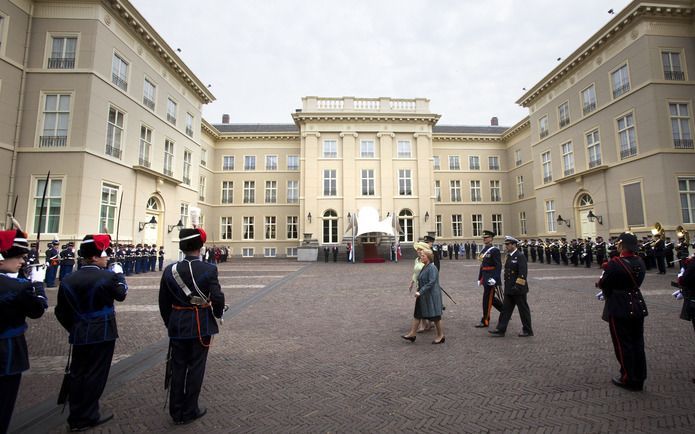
587,229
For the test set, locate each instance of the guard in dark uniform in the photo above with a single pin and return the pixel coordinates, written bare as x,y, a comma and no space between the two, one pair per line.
52,262
153,257
540,250
600,249
660,253
532,249
326,253
515,290
489,277
160,257
190,299
668,252
19,298
474,249
67,260
686,281
85,309
588,253
334,249
467,248
625,310
435,252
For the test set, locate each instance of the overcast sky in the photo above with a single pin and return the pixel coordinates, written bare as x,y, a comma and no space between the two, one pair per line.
471,58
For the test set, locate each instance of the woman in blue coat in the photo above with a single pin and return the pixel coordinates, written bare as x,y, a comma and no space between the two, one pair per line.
428,304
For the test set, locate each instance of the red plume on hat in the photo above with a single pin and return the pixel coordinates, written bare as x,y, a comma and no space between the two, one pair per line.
6,240
203,235
102,241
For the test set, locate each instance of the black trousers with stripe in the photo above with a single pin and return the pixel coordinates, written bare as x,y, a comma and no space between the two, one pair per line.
9,386
628,342
89,372
489,301
188,358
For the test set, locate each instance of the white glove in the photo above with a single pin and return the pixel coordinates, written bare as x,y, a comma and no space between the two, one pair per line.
116,268
477,282
38,274
678,295
599,296
491,282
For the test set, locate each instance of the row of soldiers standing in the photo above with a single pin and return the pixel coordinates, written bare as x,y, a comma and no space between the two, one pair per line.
141,258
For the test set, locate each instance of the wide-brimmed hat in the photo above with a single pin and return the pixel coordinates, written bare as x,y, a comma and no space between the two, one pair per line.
421,246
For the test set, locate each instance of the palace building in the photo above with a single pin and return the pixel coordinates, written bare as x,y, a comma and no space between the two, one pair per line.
91,92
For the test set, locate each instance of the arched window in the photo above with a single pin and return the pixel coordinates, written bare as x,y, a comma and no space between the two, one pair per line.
585,200
330,227
152,204
405,220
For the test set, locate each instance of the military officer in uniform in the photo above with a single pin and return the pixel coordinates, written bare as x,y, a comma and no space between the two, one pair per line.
515,290
67,260
489,277
190,298
435,259
160,256
624,310
85,309
52,262
21,298
686,281
600,249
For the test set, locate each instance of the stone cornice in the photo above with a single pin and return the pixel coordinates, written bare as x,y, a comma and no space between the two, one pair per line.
606,34
299,117
142,29
259,136
206,127
516,129
465,138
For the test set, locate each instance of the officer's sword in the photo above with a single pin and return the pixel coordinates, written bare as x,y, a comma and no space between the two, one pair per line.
447,294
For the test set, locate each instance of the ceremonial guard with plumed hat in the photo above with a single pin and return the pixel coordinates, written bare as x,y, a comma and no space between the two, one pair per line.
85,308
190,298
19,298
489,277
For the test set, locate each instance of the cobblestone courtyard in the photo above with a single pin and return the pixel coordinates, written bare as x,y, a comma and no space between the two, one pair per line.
315,347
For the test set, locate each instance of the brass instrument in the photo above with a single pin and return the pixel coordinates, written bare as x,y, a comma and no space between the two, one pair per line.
658,230
682,233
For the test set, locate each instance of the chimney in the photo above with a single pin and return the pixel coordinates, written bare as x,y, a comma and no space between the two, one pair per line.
494,122
225,118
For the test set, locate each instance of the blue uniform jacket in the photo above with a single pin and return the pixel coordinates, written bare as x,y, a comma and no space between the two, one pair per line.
85,304
491,264
183,323
622,293
19,298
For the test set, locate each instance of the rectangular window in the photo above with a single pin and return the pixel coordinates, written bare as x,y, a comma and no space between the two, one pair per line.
2,32
270,228
457,225
568,158
368,182
114,132
291,252
271,192
271,162
292,227
438,225
248,228
330,182
293,162
187,159
171,111
149,94
168,158
183,214
437,191
50,223
620,80
495,192
520,187
367,149
56,119
626,133
680,126
493,162
686,190
589,99
550,215
455,190
63,49
405,183
228,162
476,193
119,72
517,157
203,157
189,125
249,191
202,181
247,252
474,162
564,114
522,223
228,192
330,149
593,148
292,191
249,162
454,163
634,207
543,127
436,163
226,228
547,167
109,205
269,252
477,225
145,146
497,224
404,150
672,65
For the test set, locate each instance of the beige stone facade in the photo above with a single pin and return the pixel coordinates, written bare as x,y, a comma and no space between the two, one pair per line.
100,100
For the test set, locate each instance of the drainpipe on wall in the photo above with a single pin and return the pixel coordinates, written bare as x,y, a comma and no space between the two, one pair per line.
18,123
